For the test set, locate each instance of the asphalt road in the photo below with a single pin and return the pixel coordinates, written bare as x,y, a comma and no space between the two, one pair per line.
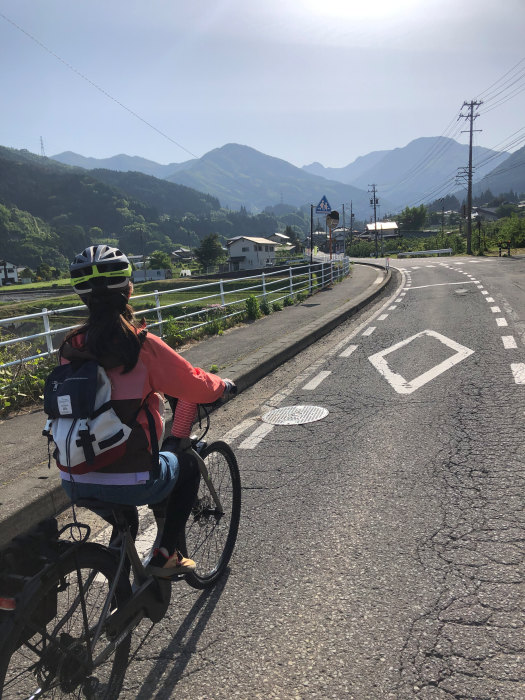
380,553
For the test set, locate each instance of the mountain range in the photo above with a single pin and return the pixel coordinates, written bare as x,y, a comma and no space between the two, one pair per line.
240,176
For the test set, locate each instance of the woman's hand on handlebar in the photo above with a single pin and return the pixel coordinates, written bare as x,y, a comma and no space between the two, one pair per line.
230,389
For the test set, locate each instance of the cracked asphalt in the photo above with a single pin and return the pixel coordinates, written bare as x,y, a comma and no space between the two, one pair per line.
380,552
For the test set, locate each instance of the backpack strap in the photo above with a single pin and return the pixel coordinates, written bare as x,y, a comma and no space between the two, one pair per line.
153,439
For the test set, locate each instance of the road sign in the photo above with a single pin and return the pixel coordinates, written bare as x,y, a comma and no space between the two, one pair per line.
323,207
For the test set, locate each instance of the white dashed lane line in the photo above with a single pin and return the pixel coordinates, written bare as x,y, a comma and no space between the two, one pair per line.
509,343
382,317
502,322
255,438
314,383
518,370
349,350
495,309
369,330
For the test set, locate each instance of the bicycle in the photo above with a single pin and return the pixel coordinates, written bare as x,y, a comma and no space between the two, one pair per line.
67,612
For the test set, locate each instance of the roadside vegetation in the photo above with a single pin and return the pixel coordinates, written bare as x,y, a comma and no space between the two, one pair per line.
21,385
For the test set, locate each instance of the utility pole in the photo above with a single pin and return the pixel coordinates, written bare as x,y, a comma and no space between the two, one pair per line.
442,221
351,222
373,203
471,106
42,151
344,231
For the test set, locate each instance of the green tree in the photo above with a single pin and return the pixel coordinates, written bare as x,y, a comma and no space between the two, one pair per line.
210,251
159,260
412,218
292,234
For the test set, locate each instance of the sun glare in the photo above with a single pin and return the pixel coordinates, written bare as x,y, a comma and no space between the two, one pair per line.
359,9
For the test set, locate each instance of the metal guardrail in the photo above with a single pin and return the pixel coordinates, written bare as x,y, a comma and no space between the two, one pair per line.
406,253
279,284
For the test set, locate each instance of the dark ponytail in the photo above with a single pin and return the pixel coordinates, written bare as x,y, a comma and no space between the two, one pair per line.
111,330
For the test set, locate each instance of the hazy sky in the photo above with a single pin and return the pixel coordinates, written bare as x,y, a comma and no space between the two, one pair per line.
302,80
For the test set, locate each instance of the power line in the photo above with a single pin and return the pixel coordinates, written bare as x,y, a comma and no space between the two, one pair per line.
483,94
97,87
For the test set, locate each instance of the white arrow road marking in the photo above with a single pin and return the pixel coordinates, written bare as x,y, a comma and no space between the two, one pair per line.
398,382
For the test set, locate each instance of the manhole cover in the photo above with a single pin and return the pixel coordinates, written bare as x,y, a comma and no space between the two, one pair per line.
294,415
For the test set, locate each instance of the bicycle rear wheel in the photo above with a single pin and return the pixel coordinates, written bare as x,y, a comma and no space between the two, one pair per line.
210,532
48,654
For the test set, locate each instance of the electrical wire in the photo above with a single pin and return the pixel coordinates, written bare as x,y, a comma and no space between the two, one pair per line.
97,87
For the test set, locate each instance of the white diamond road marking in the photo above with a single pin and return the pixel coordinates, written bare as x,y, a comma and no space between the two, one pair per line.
398,382
495,309
489,299
518,370
485,292
502,322
509,343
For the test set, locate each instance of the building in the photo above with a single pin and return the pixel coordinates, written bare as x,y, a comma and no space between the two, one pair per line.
148,275
385,229
280,238
8,273
251,253
180,255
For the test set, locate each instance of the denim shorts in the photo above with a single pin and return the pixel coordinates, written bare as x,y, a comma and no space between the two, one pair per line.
156,489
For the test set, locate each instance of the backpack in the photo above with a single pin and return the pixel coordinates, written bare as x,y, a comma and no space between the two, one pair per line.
82,422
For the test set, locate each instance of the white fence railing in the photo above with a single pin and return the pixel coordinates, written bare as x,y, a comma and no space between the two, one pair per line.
214,296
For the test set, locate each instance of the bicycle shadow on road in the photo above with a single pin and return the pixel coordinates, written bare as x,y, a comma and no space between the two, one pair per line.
182,647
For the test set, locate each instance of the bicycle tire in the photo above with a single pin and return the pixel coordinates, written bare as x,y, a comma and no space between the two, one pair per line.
46,651
210,536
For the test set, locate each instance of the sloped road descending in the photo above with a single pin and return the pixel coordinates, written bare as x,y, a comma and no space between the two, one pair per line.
380,553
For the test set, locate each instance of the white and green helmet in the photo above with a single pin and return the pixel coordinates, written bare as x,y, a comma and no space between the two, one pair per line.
100,267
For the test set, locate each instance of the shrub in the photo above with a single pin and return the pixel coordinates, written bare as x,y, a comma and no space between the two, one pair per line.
265,306
289,300
173,332
22,385
277,306
301,296
253,309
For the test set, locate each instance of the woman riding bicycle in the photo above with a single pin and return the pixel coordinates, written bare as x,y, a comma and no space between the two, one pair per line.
141,368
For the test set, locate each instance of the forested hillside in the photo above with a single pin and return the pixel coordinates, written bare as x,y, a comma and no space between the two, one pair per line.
49,211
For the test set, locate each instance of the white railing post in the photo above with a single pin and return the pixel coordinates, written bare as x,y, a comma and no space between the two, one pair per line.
263,285
291,281
309,279
322,275
47,329
221,284
159,311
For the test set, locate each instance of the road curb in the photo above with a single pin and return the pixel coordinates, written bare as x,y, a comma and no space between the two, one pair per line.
245,373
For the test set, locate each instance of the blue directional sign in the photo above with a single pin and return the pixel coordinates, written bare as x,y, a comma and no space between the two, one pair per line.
323,207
